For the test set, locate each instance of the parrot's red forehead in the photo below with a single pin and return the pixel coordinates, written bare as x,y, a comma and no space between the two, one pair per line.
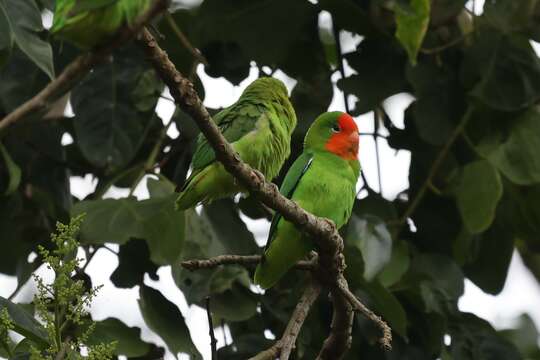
346,122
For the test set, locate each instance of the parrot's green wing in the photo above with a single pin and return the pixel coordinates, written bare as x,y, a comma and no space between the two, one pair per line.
292,179
233,122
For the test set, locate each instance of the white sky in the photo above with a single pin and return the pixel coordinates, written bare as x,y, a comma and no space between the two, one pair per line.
521,293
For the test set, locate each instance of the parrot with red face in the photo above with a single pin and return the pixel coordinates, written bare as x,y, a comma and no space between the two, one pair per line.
322,180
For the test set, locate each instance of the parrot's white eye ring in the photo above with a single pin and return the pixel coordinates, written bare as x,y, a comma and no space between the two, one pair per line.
336,128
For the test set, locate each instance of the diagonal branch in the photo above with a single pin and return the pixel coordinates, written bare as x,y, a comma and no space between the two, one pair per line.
322,231
78,69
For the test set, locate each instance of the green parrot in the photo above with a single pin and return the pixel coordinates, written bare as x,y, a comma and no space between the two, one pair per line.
85,23
259,127
322,180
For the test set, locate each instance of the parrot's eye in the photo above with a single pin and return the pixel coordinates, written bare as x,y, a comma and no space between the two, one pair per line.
336,128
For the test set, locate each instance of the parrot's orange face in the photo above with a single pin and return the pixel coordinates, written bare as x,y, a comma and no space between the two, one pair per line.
344,140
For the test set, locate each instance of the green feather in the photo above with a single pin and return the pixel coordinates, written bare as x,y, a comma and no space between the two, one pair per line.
321,183
86,23
259,127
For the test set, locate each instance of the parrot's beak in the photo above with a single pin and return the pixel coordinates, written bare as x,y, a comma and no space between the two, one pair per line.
354,136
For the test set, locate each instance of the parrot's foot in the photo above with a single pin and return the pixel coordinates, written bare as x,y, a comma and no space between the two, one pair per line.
259,175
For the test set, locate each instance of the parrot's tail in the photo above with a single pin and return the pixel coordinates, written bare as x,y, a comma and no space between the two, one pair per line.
190,195
279,259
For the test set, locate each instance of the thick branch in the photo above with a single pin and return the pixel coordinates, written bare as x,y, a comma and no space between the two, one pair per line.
236,260
77,69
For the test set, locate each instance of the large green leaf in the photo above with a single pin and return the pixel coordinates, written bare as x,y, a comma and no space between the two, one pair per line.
369,236
474,339
154,220
24,323
164,318
128,339
379,74
25,22
227,286
506,69
478,193
525,337
6,36
412,22
112,110
516,154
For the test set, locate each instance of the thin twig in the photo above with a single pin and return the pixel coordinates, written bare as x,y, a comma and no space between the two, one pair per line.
376,119
386,339
288,340
236,260
435,167
78,69
213,341
185,41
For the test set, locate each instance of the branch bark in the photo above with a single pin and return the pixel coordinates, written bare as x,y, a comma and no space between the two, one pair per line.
282,349
78,69
236,260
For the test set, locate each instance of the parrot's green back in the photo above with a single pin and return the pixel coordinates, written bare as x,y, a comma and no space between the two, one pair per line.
258,126
321,183
85,23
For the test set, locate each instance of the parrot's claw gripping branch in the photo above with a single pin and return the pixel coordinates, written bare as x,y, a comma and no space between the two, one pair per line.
78,69
323,232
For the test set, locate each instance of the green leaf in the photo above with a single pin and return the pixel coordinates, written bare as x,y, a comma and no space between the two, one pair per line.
25,22
24,323
164,318
397,266
516,155
440,100
349,15
109,124
379,74
387,306
478,193
14,171
6,36
128,339
133,262
412,24
525,337
370,236
474,339
154,220
506,70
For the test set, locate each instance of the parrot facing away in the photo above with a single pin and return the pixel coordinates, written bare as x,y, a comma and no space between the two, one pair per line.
259,127
322,180
85,23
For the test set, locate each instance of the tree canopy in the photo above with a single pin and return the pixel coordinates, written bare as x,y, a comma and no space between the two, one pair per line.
473,132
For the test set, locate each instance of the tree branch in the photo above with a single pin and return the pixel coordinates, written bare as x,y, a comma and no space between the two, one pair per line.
213,341
339,341
77,69
323,231
236,260
282,349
